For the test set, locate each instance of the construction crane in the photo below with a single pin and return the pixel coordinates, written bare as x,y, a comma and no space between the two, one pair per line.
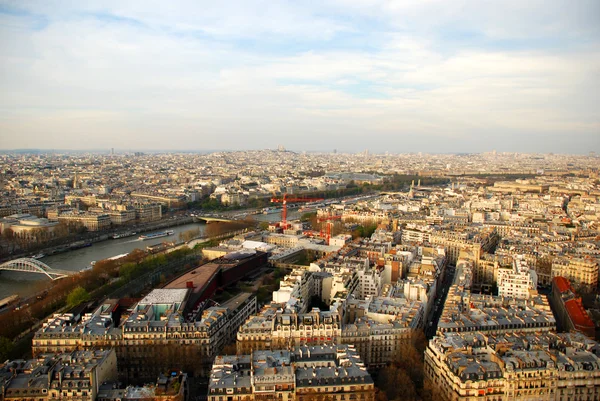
285,200
328,219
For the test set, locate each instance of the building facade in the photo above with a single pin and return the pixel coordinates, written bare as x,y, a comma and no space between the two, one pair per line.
73,376
514,366
334,373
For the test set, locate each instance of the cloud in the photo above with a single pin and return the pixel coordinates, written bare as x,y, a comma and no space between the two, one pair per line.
461,76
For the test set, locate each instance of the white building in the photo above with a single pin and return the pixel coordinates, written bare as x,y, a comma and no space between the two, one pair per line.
370,282
518,282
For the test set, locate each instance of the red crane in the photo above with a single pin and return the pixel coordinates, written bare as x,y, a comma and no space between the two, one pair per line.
285,200
328,220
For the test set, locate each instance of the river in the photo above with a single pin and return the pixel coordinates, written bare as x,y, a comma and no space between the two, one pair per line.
27,284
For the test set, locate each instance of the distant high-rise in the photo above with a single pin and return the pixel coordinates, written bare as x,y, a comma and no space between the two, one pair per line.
112,151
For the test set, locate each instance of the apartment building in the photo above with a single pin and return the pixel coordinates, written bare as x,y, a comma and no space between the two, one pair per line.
283,240
376,327
465,312
519,281
146,212
471,241
333,372
255,332
579,271
154,335
91,221
73,376
168,200
413,233
513,366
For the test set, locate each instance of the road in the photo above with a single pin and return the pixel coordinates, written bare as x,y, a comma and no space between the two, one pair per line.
439,302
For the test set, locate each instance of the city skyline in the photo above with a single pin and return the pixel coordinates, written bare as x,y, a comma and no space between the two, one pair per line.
427,77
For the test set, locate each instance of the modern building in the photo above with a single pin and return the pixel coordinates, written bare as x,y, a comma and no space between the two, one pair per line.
27,226
519,281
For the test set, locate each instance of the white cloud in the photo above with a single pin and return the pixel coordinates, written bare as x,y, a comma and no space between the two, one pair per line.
255,73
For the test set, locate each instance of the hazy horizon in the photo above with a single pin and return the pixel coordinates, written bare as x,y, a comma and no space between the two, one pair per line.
404,77
117,152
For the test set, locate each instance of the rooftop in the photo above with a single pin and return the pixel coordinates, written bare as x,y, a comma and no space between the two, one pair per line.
165,296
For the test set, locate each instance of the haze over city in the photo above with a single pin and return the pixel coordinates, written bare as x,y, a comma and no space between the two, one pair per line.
404,76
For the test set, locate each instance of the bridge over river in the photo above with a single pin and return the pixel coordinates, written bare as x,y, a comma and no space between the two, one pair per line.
30,265
210,219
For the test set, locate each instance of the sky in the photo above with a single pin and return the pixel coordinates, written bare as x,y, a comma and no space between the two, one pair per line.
437,76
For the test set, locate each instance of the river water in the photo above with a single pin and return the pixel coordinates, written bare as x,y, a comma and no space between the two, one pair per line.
27,284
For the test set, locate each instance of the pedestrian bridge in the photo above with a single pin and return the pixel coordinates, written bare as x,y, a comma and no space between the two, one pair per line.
29,265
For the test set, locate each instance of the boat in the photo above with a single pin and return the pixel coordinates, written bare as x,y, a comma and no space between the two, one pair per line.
38,256
79,245
157,235
8,300
123,235
118,256
90,267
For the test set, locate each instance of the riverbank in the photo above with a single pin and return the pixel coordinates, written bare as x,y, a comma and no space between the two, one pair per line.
95,237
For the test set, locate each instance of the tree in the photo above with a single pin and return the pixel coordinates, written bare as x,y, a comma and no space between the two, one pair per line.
135,256
77,296
8,233
229,349
380,395
396,384
6,346
430,392
107,267
188,235
308,216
